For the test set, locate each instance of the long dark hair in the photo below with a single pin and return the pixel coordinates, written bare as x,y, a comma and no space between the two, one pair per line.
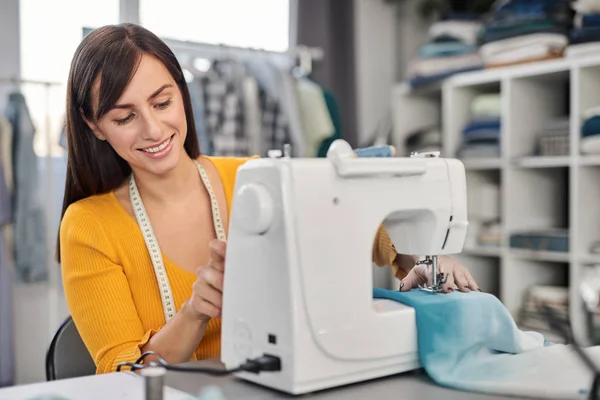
112,53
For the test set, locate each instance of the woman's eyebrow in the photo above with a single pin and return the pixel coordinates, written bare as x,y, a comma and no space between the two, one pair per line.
153,95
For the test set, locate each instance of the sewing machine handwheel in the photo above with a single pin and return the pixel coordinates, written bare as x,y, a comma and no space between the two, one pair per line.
254,208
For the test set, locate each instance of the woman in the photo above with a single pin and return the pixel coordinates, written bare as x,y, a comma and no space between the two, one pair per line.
145,216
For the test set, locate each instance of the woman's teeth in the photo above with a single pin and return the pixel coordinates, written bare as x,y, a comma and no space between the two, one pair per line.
158,148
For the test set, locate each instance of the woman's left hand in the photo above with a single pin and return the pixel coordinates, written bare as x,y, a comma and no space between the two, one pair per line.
457,275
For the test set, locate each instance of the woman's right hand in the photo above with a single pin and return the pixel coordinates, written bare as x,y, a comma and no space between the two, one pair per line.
207,293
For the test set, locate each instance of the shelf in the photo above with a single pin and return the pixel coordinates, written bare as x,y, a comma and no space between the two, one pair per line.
482,251
542,162
587,258
550,256
475,164
589,160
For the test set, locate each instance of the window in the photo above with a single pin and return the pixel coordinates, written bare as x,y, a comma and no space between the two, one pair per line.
260,24
50,32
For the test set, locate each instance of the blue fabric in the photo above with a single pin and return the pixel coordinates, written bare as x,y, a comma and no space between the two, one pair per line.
464,339
512,18
591,126
590,20
29,217
585,35
482,124
424,80
443,47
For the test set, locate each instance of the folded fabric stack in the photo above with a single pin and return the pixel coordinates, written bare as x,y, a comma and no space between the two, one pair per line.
590,131
531,315
451,49
522,31
481,136
585,36
553,138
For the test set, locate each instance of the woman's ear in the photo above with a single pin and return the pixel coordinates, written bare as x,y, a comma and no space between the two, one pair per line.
94,127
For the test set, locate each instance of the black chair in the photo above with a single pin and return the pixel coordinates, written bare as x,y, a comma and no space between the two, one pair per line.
67,356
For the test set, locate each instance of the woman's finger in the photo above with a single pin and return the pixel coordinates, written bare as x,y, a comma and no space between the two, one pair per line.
213,276
209,293
217,254
472,284
461,280
448,286
414,278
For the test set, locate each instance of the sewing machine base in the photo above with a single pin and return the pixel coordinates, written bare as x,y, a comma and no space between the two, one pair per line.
307,367
316,385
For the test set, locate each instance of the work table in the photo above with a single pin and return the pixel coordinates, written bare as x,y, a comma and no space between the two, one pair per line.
117,386
406,386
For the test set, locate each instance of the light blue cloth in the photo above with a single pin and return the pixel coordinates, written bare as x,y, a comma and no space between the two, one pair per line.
7,357
469,341
29,216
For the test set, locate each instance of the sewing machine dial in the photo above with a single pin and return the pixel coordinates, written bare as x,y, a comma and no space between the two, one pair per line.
256,208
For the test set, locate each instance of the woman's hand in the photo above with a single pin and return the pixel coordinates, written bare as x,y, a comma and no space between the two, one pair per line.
207,293
456,274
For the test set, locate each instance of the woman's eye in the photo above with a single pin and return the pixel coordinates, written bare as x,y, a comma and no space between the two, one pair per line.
124,120
162,106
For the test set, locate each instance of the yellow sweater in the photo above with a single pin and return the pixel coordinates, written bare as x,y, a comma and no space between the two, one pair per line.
110,284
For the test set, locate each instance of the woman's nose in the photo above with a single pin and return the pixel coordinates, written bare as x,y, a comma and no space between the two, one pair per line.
153,129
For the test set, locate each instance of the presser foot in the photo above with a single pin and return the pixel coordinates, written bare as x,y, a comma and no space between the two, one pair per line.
438,277
436,288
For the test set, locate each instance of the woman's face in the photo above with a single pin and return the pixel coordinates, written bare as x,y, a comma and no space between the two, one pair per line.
147,126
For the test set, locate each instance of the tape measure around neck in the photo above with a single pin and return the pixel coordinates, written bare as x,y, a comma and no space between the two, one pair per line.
152,243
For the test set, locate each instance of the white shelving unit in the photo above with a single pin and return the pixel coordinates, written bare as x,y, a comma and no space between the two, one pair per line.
534,192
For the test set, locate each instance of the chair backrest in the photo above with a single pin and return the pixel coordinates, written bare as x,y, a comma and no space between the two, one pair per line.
67,356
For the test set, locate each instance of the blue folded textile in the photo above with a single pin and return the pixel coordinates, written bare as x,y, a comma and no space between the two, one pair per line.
482,124
591,127
585,35
590,20
469,341
420,81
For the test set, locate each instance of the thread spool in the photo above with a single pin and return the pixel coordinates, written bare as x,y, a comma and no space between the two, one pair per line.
376,151
154,380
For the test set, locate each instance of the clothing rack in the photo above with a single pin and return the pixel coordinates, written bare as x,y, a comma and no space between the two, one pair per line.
54,282
301,56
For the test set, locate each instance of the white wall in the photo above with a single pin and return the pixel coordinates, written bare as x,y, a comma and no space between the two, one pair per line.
375,35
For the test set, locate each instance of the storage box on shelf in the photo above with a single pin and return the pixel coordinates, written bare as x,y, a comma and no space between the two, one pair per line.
537,124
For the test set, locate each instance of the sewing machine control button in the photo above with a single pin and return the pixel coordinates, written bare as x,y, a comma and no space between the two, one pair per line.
254,208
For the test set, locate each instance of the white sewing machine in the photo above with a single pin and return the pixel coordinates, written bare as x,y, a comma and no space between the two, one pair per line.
298,273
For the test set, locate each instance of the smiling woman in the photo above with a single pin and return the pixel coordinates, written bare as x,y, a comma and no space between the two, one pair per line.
145,216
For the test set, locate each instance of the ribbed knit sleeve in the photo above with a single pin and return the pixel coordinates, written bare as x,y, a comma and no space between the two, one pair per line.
384,252
97,291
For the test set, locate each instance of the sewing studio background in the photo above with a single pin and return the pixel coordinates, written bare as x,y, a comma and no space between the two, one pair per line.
518,104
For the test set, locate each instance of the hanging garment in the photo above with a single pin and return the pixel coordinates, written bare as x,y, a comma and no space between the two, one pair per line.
279,95
315,115
197,100
336,119
274,123
6,149
252,116
29,232
6,321
469,341
224,114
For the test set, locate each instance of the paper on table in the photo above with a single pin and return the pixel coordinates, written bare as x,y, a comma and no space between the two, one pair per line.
115,386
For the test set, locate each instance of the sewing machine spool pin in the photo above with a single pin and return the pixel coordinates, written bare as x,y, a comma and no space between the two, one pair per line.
438,278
